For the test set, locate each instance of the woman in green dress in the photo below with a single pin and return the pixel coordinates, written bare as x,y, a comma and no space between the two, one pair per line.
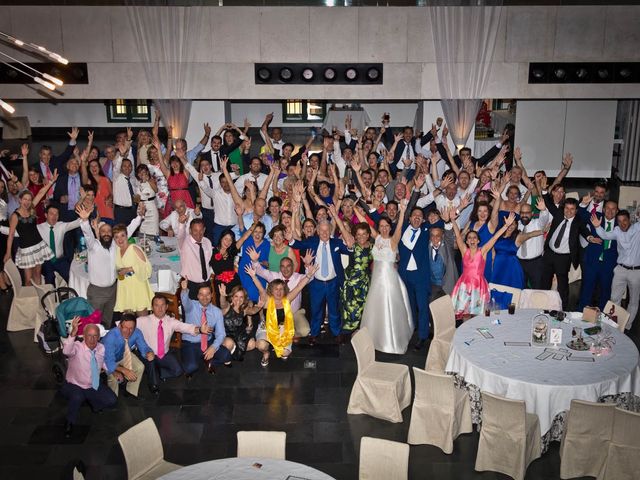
357,275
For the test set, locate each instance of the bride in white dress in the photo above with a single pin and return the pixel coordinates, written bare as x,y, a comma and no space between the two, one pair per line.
387,312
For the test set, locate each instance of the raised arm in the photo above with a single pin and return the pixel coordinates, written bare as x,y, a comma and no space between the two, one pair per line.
311,271
25,163
224,161
450,215
523,237
567,161
489,245
397,234
43,191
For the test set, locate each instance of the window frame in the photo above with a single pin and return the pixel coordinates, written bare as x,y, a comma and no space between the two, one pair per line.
131,116
305,116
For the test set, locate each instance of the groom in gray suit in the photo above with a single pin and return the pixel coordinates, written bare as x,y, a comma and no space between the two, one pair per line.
444,272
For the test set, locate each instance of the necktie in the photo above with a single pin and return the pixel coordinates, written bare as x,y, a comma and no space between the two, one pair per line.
95,371
73,193
594,209
130,189
435,254
210,181
324,265
160,352
216,161
203,336
414,231
607,243
126,358
47,172
563,228
203,262
52,244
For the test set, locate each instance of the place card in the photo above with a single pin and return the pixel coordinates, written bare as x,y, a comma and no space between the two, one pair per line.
555,336
517,344
574,358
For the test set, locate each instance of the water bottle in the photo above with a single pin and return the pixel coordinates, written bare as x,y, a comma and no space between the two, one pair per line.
83,244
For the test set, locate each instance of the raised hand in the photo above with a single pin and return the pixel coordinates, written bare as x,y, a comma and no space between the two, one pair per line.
254,255
510,219
595,221
586,199
207,129
24,150
184,283
249,270
308,257
464,202
82,212
54,177
517,154
129,134
540,204
567,160
419,181
90,136
222,288
445,132
224,161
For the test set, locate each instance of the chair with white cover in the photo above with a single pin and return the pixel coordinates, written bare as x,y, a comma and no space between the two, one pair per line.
586,437
515,292
623,455
383,459
381,390
623,315
440,411
50,304
543,299
262,444
26,312
510,437
59,281
444,327
143,452
574,195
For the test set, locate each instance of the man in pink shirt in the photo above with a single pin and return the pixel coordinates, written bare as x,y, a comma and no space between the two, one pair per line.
292,279
157,330
82,382
195,254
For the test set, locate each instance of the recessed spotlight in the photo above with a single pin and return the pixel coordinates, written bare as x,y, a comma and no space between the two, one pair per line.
351,74
625,73
373,74
560,73
307,74
264,74
538,73
603,73
286,74
329,74
582,73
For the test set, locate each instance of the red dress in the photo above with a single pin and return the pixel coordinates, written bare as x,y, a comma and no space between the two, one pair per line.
178,190
471,291
34,188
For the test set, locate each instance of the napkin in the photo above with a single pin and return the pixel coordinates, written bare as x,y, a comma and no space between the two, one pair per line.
167,281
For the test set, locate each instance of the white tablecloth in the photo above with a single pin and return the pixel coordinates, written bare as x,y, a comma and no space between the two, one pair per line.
483,145
335,118
79,277
546,386
243,469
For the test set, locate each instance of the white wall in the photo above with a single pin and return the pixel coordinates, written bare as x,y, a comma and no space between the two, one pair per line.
399,37
431,110
83,114
204,112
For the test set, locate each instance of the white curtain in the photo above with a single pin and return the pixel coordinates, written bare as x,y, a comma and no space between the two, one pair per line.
168,39
464,40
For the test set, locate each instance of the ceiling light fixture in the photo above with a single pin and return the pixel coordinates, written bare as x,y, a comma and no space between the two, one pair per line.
6,106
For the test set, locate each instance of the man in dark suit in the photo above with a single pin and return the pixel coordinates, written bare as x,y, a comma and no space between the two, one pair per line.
600,257
324,289
562,248
465,153
444,272
415,271
66,193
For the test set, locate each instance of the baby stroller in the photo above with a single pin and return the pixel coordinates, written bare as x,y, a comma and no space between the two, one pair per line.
60,305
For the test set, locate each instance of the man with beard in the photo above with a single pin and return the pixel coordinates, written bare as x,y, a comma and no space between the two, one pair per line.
531,250
101,253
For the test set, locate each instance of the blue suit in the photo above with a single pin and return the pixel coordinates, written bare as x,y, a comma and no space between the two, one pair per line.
597,266
418,282
325,294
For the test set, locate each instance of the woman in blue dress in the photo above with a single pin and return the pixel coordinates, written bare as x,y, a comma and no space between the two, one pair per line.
506,266
255,241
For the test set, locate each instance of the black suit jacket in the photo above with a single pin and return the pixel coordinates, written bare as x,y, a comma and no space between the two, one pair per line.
577,228
482,161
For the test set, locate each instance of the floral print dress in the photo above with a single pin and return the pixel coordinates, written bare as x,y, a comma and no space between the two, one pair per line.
355,288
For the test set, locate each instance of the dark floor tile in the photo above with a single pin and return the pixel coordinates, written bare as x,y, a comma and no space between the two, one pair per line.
173,432
316,413
16,434
270,413
54,434
67,454
24,455
8,472
26,398
308,453
206,414
330,431
332,396
187,453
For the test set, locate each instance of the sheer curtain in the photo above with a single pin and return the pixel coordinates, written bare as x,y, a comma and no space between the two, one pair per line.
465,40
167,41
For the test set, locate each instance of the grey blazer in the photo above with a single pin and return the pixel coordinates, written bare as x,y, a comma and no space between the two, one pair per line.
448,255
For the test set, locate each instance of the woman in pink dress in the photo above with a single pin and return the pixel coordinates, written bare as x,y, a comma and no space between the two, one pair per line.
471,291
178,181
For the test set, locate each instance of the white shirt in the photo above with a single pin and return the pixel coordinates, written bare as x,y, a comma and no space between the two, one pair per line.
319,255
222,201
148,325
171,221
406,153
276,145
59,229
406,240
535,245
628,243
205,200
258,179
564,242
121,193
102,261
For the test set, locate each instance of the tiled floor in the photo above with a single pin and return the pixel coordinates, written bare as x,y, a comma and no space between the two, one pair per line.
306,397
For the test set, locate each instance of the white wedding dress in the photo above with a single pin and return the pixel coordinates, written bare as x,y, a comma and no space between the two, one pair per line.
387,312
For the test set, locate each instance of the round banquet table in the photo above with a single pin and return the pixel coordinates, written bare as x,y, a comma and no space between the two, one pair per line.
547,386
79,276
245,468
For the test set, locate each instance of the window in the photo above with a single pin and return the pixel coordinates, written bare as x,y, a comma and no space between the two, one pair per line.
303,111
128,111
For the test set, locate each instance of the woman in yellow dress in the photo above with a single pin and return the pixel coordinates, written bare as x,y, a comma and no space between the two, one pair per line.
134,270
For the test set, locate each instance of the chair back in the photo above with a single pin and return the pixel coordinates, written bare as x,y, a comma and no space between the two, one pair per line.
49,303
142,448
433,388
262,444
59,281
626,429
12,272
623,315
590,419
542,299
383,459
444,318
503,414
515,292
363,346
574,195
